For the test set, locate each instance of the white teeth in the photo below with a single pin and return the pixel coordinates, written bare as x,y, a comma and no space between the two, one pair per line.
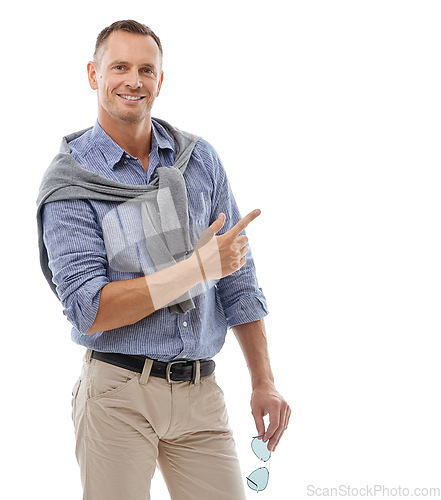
131,97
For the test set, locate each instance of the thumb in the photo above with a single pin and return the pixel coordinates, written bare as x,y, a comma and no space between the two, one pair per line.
260,424
218,223
211,231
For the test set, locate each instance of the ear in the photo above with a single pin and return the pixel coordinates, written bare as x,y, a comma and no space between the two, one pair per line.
92,75
160,83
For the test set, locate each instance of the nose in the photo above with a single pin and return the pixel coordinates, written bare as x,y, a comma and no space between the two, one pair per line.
133,80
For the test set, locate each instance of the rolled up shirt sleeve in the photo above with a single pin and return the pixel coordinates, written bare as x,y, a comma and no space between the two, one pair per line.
77,258
241,297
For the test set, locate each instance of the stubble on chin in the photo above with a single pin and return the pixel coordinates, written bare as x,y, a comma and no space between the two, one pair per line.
132,118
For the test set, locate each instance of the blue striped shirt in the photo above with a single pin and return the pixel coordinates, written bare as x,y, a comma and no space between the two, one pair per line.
73,235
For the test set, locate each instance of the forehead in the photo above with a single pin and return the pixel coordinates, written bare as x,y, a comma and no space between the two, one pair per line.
132,47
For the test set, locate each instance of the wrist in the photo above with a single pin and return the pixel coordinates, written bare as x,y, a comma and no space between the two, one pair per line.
201,267
193,266
265,384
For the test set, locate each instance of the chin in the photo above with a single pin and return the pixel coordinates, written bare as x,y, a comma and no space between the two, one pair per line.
130,117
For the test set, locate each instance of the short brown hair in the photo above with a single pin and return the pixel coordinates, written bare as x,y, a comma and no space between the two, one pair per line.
129,26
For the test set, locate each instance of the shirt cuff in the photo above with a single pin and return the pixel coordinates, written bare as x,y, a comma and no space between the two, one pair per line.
247,309
84,306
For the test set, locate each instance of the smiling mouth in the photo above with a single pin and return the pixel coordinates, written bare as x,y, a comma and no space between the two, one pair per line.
131,97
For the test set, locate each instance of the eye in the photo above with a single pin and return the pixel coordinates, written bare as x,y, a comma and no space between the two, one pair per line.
119,67
148,71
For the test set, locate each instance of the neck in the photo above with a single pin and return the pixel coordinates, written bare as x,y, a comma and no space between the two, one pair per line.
135,138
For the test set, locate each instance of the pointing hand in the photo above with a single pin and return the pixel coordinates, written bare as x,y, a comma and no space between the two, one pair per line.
222,255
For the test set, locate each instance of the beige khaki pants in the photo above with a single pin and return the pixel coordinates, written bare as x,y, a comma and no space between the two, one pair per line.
126,423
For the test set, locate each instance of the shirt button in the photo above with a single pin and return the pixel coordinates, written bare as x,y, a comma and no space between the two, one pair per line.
127,156
185,323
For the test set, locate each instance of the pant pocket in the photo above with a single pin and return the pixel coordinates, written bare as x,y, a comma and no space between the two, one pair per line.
106,379
211,380
75,391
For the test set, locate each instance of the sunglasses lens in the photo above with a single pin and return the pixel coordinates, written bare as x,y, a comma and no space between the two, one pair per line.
260,449
258,480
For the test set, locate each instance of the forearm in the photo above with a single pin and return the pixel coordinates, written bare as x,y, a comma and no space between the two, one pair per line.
265,400
125,302
253,342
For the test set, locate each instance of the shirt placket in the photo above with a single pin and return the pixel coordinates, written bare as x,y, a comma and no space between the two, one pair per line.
186,333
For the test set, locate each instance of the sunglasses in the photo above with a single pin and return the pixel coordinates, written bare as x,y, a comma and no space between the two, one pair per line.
258,479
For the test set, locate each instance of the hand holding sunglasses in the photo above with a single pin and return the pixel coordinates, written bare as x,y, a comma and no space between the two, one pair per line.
258,479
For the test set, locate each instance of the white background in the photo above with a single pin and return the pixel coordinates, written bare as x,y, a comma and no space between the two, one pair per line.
327,116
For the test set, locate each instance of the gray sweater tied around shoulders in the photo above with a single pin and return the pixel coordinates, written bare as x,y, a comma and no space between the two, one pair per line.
163,203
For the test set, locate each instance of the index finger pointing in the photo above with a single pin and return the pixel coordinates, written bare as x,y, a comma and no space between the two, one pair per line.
243,223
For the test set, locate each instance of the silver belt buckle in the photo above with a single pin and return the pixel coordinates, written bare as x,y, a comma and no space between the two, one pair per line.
168,371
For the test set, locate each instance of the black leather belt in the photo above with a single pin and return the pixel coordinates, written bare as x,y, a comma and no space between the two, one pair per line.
175,371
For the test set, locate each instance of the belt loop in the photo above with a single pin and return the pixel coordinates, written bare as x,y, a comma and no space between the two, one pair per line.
196,372
88,356
146,371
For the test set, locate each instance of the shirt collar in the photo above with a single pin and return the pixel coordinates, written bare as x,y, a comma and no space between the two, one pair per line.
164,141
113,152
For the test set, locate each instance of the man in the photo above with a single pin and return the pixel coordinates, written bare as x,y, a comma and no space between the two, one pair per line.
141,238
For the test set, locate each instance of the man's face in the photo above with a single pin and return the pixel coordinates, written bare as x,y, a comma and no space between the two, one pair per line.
127,76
